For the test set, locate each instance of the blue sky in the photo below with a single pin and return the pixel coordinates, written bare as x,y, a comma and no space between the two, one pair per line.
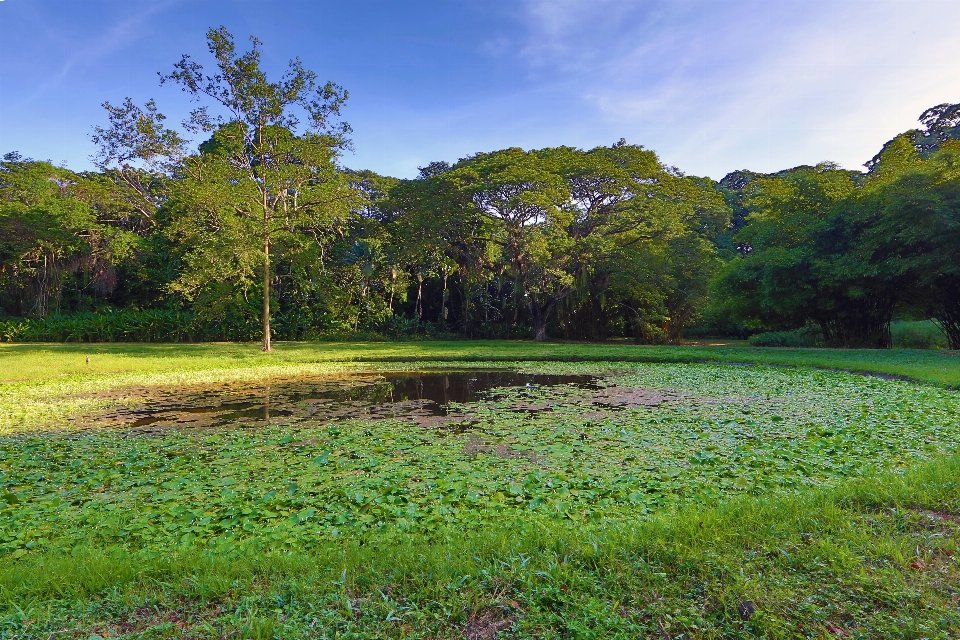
711,85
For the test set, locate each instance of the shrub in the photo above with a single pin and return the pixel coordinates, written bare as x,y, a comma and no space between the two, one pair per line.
718,327
919,334
164,325
129,325
805,337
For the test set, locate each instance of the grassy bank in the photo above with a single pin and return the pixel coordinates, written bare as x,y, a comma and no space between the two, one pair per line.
25,362
873,558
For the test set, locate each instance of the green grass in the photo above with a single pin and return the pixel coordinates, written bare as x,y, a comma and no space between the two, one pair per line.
917,334
829,501
25,362
874,558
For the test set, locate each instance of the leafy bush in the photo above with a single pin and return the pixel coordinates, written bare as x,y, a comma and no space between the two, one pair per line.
715,325
399,327
805,337
160,325
129,325
920,334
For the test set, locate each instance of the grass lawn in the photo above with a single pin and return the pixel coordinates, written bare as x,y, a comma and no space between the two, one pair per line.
676,497
33,361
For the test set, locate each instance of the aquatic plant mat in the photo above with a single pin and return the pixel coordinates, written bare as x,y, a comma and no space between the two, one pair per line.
456,500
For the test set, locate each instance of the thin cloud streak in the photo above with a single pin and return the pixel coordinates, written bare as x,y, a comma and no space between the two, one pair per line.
122,34
789,84
711,85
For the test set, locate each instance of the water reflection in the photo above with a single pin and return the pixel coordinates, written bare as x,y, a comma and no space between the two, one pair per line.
323,398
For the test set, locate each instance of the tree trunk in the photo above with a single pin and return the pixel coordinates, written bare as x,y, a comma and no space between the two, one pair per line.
266,296
539,316
515,295
466,305
419,306
363,298
862,323
443,302
678,317
948,319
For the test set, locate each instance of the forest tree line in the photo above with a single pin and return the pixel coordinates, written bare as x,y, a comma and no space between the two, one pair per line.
244,224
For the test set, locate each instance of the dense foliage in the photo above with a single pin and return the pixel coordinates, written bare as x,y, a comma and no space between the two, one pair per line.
846,251
255,229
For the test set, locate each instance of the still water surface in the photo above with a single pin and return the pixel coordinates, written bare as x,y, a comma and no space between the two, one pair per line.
368,396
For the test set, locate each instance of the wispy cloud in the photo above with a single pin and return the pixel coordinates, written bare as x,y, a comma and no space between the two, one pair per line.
711,85
721,85
118,36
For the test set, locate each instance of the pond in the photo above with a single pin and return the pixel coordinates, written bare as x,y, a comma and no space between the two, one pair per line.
423,394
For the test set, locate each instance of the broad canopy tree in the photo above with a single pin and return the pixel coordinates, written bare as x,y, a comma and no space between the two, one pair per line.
846,250
911,231
51,232
557,222
523,197
804,264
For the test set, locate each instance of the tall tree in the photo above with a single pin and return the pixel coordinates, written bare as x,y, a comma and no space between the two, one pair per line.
641,235
441,233
256,182
524,197
257,186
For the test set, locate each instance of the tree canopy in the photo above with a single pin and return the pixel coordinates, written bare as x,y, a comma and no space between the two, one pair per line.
245,222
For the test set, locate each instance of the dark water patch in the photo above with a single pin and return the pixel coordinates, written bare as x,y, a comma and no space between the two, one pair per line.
424,396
